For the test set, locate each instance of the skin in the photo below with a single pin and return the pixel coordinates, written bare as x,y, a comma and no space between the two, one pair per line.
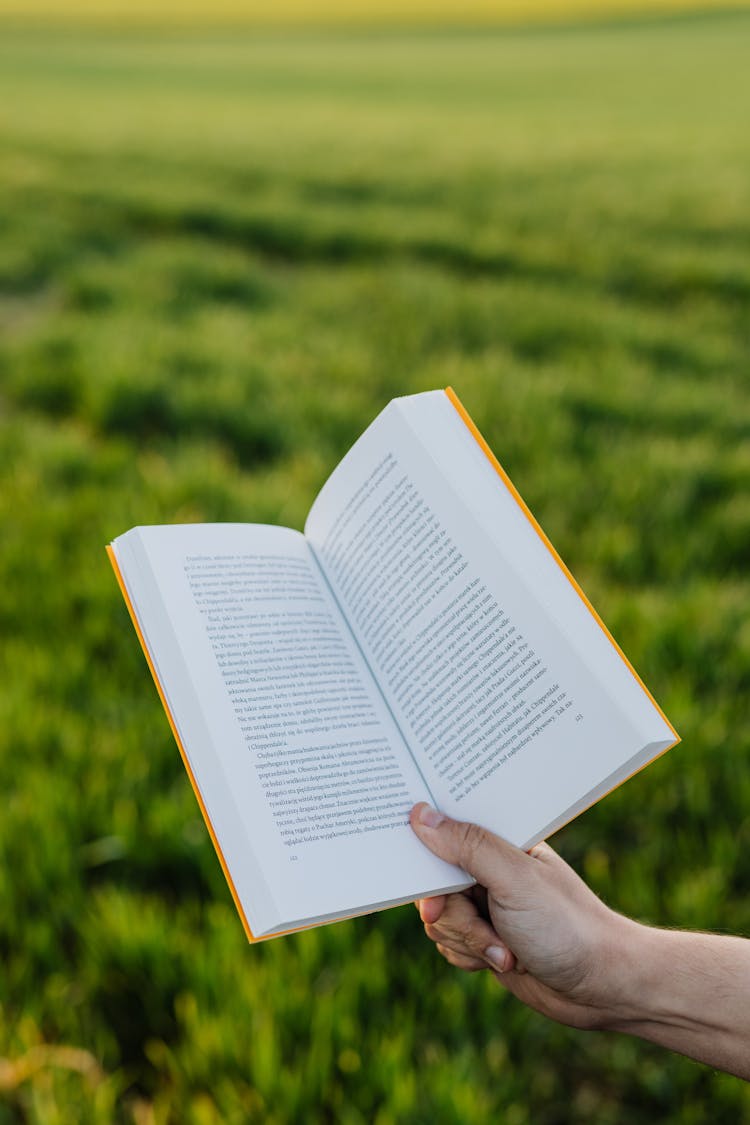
547,938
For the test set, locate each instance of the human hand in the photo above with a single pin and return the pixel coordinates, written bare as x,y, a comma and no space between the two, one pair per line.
531,921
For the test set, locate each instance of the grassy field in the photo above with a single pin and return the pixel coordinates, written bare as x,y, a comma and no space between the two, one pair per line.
337,13
219,258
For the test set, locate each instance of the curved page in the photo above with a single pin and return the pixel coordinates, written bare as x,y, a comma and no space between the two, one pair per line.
303,772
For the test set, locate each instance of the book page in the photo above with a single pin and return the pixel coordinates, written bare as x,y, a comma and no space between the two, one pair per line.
439,422
508,724
303,771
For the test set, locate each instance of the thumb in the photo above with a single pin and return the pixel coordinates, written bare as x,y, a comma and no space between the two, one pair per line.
491,860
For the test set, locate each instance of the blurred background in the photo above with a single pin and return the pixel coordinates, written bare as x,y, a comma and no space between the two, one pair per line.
226,241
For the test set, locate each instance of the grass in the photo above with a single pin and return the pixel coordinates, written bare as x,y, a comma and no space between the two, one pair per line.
196,14
219,258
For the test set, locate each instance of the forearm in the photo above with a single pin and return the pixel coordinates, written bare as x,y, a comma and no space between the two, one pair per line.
686,991
553,944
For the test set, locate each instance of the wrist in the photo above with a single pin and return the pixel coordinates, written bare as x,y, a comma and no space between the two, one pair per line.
655,983
624,978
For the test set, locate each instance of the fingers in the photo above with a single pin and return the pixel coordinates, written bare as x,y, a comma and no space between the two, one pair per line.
430,909
490,859
468,936
547,855
468,964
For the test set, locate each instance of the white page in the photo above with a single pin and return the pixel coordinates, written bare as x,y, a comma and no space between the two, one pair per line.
302,769
446,438
508,724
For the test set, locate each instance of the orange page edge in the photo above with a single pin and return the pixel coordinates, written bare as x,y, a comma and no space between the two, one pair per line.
123,590
474,431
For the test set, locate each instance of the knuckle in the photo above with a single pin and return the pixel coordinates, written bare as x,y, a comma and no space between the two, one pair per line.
458,960
472,839
460,931
434,933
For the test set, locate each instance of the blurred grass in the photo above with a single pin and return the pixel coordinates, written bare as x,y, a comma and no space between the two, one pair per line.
337,13
219,258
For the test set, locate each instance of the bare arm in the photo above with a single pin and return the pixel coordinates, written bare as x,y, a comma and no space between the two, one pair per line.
552,943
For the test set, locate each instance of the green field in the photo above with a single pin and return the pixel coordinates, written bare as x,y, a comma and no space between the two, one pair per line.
333,13
220,256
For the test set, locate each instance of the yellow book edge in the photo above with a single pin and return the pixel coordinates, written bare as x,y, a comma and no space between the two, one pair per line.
123,590
474,431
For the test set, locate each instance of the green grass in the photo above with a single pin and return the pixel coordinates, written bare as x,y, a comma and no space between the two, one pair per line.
219,258
197,15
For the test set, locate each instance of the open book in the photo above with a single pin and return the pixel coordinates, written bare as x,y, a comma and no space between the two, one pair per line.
421,641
